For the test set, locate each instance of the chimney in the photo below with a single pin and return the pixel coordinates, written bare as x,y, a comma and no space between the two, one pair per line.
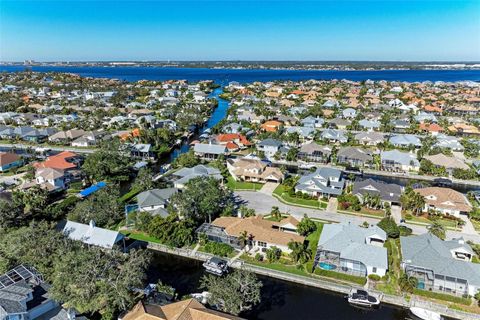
91,224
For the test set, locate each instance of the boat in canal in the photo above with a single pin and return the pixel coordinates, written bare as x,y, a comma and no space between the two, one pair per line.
216,266
424,314
362,298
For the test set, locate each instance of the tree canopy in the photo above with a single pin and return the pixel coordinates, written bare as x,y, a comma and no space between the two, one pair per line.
108,163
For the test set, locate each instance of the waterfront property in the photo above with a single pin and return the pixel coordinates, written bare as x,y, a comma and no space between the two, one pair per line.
441,266
324,182
388,192
445,201
209,151
314,152
395,160
352,250
355,157
155,201
182,176
258,233
253,170
91,234
189,309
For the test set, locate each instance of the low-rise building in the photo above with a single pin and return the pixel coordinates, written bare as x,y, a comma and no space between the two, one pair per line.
9,161
388,192
440,266
91,234
182,176
314,152
209,151
395,160
253,170
445,201
355,157
449,163
324,182
351,249
155,201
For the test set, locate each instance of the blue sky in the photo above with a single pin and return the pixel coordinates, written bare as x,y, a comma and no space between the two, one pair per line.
239,30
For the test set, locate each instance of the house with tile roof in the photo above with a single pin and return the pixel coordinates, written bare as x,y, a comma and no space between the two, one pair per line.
263,234
189,309
447,162
350,249
254,170
445,201
232,141
440,266
271,125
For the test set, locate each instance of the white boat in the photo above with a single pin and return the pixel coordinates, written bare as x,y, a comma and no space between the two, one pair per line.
425,314
216,266
362,298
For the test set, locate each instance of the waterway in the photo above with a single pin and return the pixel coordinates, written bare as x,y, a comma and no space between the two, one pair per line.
223,76
280,299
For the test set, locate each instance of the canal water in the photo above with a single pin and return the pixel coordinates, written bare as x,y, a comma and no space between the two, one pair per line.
280,300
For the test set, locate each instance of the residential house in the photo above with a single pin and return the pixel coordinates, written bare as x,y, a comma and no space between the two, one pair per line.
305,133
269,147
184,175
189,309
324,182
339,123
233,141
50,179
395,160
88,139
448,142
209,151
432,128
9,160
349,113
370,138
314,152
334,136
355,157
447,162
67,161
445,201
440,266
262,233
155,201
405,141
313,122
24,295
351,249
400,125
92,235
254,170
142,151
369,125
66,136
271,126
388,192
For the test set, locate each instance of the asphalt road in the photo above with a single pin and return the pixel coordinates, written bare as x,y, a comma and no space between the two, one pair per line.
263,203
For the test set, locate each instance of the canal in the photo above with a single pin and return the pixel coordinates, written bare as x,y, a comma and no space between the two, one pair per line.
280,299
218,115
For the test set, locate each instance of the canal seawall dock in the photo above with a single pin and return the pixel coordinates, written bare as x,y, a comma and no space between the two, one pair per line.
317,282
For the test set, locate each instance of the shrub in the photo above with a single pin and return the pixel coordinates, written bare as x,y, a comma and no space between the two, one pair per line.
442,296
273,254
259,257
390,227
218,249
408,216
374,277
405,231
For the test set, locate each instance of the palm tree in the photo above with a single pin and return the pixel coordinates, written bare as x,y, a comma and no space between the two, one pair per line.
418,203
407,283
300,252
437,229
276,214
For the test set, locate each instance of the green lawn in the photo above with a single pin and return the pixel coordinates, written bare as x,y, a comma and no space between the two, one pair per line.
423,220
313,238
284,197
389,284
240,185
476,224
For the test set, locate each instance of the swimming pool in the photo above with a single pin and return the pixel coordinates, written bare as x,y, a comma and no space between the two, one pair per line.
327,266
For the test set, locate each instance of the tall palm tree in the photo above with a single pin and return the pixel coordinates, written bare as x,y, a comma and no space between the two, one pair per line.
300,252
243,238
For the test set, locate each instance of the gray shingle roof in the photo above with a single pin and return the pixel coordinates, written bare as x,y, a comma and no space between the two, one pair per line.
430,252
155,197
350,241
387,191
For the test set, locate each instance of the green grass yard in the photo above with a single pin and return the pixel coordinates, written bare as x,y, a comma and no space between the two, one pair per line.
284,197
241,185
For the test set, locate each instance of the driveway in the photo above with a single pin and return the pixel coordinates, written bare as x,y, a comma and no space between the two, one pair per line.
268,188
468,228
262,204
13,179
397,213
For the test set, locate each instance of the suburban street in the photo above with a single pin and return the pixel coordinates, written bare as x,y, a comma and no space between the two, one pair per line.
263,202
54,148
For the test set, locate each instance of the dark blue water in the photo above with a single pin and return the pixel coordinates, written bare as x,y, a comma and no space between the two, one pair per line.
223,76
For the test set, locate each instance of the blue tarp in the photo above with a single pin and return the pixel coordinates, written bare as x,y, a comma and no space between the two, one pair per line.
92,189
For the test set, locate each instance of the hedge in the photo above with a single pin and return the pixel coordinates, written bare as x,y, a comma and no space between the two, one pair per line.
341,276
443,296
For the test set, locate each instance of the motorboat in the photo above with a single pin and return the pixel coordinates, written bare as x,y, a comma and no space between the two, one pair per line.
216,266
425,314
360,297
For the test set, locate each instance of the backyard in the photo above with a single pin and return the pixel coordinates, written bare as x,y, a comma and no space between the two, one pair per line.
424,220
